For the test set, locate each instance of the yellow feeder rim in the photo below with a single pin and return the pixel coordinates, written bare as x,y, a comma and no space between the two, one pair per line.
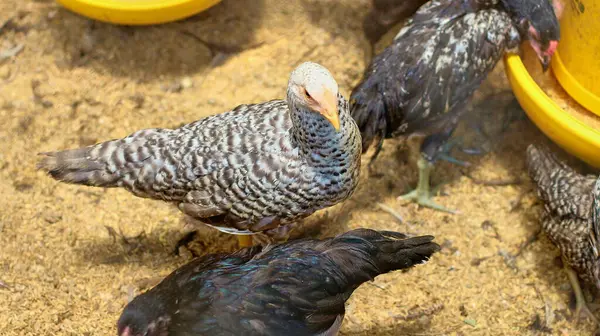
568,132
137,12
582,95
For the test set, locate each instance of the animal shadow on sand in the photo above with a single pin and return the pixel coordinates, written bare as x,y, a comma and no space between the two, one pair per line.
336,17
396,326
155,247
144,53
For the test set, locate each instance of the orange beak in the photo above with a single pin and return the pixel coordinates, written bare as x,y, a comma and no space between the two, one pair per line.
328,107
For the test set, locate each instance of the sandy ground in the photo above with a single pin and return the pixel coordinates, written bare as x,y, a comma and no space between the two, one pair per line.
71,257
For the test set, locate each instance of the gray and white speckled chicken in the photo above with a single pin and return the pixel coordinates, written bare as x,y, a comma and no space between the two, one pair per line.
420,85
298,288
570,218
256,169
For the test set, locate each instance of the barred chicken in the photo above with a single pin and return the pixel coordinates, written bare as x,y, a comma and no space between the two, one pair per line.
570,218
419,86
256,169
296,288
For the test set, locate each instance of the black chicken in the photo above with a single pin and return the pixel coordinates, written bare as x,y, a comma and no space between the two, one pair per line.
421,84
296,288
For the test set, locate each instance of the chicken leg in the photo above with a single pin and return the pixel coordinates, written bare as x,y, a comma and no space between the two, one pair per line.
434,147
581,304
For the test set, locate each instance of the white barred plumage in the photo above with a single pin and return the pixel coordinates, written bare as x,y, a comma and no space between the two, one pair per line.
253,169
571,204
567,215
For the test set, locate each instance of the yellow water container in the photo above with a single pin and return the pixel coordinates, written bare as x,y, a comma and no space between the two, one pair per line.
138,12
576,63
565,102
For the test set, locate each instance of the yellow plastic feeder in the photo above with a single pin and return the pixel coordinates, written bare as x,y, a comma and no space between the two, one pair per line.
138,12
577,61
565,102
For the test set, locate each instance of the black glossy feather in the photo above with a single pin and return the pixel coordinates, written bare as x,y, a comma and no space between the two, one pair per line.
296,288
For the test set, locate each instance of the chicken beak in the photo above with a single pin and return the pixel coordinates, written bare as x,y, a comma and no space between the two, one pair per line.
545,63
547,54
328,107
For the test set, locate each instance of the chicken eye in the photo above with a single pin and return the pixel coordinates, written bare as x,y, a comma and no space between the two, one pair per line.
307,94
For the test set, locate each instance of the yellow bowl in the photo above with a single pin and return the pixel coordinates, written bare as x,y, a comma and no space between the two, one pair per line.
576,64
137,12
568,132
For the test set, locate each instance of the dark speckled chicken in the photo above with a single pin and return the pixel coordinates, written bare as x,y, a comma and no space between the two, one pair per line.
296,288
421,84
570,218
256,169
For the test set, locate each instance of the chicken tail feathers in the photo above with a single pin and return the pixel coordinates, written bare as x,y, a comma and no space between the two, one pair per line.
369,111
87,166
564,191
363,254
113,163
543,167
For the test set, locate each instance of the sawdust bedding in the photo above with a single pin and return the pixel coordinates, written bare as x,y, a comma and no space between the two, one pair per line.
71,257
